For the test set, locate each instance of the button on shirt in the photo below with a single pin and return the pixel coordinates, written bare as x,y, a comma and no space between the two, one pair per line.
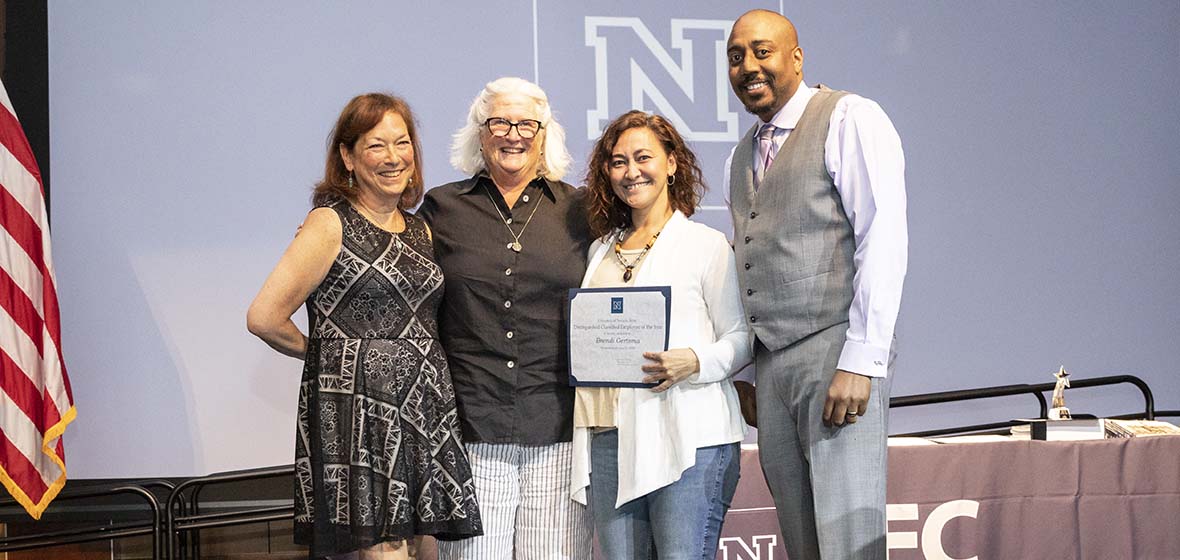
874,201
502,317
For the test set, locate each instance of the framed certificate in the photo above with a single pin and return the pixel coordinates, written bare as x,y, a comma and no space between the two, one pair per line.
609,329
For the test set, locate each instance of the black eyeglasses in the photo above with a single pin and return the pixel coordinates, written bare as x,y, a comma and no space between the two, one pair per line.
527,128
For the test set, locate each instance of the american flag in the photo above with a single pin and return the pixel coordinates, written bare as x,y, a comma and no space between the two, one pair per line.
35,399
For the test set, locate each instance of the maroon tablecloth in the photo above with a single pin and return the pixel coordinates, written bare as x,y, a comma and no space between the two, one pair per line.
1105,499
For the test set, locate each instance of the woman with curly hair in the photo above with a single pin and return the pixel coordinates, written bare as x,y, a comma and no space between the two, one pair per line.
661,464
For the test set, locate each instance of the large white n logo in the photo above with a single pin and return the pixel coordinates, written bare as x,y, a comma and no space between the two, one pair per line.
699,113
736,548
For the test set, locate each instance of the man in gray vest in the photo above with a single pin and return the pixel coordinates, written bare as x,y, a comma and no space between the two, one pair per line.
817,191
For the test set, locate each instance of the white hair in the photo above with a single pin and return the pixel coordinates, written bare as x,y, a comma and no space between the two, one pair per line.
465,146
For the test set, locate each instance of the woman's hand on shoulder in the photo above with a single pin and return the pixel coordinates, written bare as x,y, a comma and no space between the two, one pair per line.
670,367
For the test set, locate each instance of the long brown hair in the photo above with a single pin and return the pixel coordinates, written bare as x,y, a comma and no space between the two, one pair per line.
607,211
358,117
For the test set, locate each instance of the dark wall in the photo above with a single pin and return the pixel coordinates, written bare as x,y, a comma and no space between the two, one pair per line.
24,67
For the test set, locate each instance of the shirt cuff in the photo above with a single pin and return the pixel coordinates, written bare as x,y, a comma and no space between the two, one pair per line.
709,363
864,359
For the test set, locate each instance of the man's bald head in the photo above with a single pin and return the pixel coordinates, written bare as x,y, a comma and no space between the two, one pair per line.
765,61
774,20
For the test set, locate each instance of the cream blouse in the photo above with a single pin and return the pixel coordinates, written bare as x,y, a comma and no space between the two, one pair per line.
594,407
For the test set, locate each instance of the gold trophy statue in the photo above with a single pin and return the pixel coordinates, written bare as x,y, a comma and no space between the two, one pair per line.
1058,410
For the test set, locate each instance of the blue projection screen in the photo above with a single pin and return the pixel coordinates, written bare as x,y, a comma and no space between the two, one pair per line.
1042,177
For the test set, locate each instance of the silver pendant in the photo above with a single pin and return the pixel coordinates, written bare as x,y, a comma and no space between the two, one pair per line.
515,246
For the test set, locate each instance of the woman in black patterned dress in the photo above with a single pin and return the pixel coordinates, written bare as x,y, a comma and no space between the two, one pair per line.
378,457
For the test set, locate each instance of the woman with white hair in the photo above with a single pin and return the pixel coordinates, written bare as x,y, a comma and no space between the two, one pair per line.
511,240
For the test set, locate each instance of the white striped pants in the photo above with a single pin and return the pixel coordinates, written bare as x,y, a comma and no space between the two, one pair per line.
524,500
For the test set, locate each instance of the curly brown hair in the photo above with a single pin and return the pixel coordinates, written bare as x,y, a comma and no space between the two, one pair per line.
361,114
606,211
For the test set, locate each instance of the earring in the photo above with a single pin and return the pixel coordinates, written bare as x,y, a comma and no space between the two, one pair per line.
350,180
671,180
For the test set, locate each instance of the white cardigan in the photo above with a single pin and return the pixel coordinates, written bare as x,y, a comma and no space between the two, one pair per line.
659,433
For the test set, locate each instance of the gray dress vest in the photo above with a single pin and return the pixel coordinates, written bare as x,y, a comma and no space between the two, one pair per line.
793,242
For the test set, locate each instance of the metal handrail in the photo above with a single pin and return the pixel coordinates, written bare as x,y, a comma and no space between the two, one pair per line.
243,518
100,533
199,521
971,394
175,525
1036,389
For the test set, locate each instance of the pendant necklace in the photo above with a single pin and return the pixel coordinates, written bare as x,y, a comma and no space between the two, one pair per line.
629,267
515,245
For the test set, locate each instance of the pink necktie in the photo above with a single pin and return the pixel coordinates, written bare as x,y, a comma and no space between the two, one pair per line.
766,151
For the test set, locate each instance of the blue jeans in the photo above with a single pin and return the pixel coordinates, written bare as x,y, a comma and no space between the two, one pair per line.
680,521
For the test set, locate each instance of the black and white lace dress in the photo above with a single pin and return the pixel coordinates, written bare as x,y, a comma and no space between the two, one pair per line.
378,455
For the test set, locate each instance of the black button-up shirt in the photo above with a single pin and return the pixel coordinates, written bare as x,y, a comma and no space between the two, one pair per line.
502,316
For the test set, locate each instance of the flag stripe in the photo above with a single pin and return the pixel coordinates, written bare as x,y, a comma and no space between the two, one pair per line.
51,414
22,270
12,136
20,388
18,429
24,187
20,348
21,472
7,103
22,311
21,227
56,387
51,340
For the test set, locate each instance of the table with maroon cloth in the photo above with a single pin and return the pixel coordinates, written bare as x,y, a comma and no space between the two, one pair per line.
1101,499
